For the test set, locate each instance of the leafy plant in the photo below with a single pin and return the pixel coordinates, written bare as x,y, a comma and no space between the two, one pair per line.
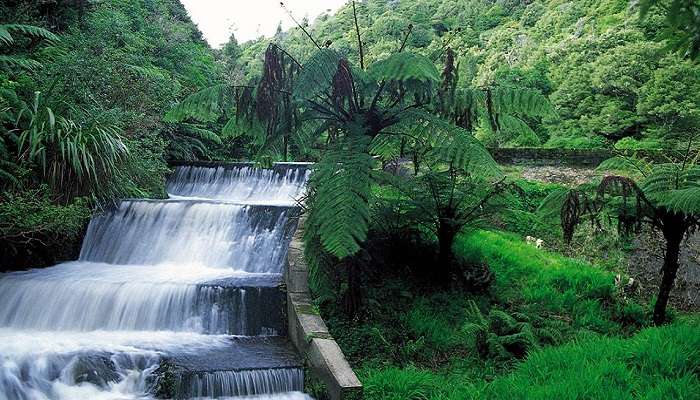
683,23
665,197
9,56
76,155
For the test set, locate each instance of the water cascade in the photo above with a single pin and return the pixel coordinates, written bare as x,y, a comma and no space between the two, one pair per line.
175,298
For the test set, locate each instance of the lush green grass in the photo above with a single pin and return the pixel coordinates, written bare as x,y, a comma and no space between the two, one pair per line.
545,283
549,327
657,363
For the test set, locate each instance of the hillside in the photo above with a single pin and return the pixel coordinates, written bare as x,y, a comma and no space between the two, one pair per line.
98,82
608,74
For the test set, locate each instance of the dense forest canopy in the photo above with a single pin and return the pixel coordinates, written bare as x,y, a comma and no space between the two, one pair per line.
609,74
99,86
112,70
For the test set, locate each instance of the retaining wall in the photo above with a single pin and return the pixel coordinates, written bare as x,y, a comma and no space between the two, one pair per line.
309,333
568,157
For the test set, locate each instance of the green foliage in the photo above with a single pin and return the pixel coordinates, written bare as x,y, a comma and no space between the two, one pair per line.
405,67
74,157
33,219
682,19
6,31
81,109
317,74
656,363
31,213
598,62
339,192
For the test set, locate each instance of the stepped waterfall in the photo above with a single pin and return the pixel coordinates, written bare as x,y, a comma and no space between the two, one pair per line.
175,298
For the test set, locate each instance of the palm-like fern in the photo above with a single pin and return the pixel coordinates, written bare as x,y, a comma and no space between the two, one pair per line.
8,42
665,197
354,115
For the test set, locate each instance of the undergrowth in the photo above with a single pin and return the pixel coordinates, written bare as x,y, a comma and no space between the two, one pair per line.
544,320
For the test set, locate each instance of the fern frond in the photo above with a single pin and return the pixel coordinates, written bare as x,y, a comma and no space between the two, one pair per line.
205,106
17,61
405,67
27,30
317,74
682,201
201,133
451,144
511,127
339,195
385,146
550,207
628,165
662,178
521,101
148,71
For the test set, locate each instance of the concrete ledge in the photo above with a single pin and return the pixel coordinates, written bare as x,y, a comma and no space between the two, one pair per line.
570,157
309,333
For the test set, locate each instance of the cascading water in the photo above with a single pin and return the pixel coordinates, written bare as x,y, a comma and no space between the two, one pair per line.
175,298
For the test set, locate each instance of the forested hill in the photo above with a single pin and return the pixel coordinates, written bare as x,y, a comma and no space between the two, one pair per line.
609,75
94,78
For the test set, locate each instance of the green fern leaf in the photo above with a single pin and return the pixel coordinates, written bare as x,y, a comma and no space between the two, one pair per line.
27,30
405,67
684,201
21,62
340,190
205,106
317,74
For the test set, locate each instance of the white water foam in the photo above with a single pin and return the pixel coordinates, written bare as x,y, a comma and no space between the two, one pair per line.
99,327
211,234
245,185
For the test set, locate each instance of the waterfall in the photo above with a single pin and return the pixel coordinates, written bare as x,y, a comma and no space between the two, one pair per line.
162,297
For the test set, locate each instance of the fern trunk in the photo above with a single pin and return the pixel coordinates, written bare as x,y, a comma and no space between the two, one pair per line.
446,238
674,231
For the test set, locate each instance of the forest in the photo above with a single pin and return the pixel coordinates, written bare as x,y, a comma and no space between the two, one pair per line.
441,272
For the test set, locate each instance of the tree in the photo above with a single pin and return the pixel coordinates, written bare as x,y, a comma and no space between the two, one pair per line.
447,201
665,197
683,23
353,113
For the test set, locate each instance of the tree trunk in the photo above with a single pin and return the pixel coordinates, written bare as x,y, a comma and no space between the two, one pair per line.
673,233
446,237
353,296
285,144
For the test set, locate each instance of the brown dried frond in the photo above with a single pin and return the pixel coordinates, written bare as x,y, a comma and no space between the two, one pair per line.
343,83
270,83
576,205
490,109
245,103
448,73
625,187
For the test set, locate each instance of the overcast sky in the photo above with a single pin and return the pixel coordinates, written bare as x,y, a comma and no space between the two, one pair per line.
249,19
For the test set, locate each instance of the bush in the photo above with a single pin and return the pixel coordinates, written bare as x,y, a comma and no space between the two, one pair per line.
35,231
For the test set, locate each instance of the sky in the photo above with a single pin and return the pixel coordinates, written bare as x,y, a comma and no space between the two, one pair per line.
250,19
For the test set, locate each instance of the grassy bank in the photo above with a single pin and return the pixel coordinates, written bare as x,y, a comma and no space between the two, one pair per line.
548,327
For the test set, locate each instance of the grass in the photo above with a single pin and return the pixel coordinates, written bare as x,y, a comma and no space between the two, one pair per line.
549,327
657,363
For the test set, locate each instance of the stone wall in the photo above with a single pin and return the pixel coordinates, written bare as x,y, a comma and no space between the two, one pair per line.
566,157
309,332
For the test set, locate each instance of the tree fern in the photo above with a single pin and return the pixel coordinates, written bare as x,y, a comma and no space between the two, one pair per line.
339,194
317,74
8,39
